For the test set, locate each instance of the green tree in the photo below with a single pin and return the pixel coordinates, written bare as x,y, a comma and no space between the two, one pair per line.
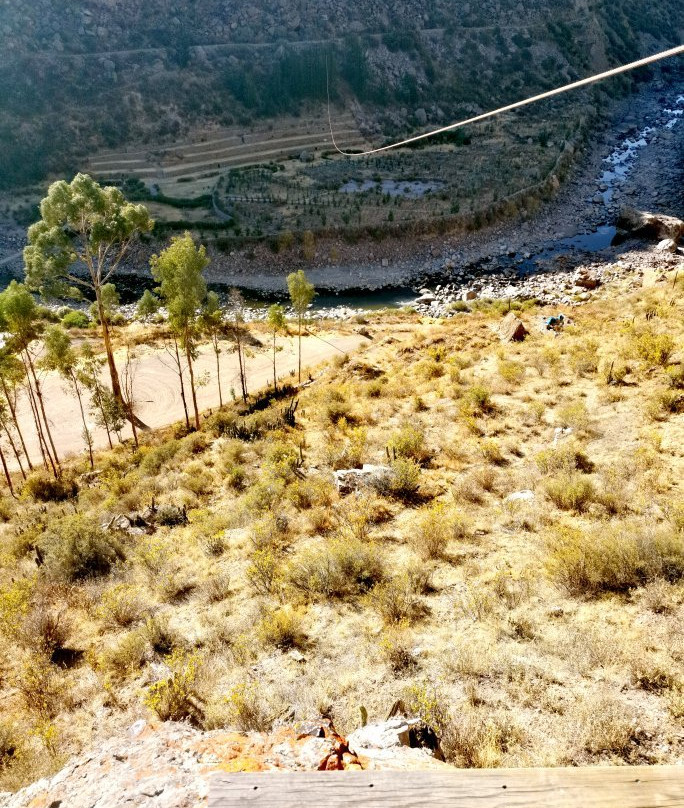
178,270
83,223
109,300
301,294
276,322
19,318
213,325
60,356
147,305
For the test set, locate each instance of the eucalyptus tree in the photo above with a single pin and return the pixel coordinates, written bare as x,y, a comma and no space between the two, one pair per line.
236,307
83,224
276,322
60,356
301,294
12,377
19,319
213,325
178,270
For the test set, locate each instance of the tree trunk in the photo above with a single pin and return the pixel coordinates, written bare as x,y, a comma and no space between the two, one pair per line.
243,376
182,384
6,470
86,431
39,393
42,442
5,426
13,410
218,372
114,374
275,378
299,321
188,356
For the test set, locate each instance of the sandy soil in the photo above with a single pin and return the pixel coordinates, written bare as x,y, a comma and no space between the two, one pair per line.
157,390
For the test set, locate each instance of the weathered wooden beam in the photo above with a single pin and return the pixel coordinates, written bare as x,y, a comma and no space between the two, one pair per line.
617,787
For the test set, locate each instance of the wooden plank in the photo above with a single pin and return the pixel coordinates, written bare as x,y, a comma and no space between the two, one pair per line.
617,787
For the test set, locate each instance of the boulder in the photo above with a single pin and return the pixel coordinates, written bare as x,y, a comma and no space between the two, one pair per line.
512,328
652,226
471,294
387,739
667,245
587,281
350,480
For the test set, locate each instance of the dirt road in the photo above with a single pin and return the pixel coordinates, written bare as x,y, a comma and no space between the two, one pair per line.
157,391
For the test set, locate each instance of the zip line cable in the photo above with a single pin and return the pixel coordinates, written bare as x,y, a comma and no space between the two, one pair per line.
616,71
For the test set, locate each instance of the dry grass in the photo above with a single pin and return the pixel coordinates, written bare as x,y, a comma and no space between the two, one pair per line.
494,617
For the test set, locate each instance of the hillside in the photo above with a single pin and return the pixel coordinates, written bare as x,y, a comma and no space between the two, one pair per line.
78,79
513,571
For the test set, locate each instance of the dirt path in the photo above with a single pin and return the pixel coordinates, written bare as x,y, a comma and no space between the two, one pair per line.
157,392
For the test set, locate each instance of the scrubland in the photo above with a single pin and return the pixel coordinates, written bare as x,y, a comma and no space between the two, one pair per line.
542,629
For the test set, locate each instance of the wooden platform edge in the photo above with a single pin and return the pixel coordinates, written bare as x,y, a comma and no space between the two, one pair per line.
617,787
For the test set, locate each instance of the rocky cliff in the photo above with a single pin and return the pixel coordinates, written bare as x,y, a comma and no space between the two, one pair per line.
170,765
78,77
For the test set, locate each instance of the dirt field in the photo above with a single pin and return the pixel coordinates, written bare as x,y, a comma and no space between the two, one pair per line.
157,389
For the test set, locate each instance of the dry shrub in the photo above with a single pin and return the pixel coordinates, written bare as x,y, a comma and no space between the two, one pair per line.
247,708
78,548
659,597
395,649
264,572
574,415
177,698
434,529
510,371
396,601
125,656
570,491
479,738
403,480
653,349
567,456
217,586
409,442
121,606
282,628
46,628
584,356
614,558
341,568
607,726
42,487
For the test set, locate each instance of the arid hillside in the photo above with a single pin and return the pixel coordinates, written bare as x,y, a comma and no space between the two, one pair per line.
491,531
79,78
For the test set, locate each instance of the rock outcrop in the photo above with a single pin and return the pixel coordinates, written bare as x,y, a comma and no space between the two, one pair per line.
652,226
170,765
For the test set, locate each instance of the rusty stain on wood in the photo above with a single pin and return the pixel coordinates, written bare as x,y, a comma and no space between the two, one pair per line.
619,787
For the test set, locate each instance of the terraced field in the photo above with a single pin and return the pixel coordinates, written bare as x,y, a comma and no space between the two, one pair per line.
190,169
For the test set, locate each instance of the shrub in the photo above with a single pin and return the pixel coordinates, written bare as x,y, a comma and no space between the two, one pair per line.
121,606
264,571
395,600
75,319
159,456
395,647
491,452
614,559
11,745
584,357
282,628
433,532
247,709
42,487
197,479
477,401
653,349
78,548
125,656
574,415
403,480
570,491
343,568
217,586
409,442
176,698
567,456
46,629
510,371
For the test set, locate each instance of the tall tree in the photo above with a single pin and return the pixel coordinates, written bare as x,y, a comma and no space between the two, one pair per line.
83,223
213,325
301,294
178,270
60,356
237,323
19,318
276,322
12,375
